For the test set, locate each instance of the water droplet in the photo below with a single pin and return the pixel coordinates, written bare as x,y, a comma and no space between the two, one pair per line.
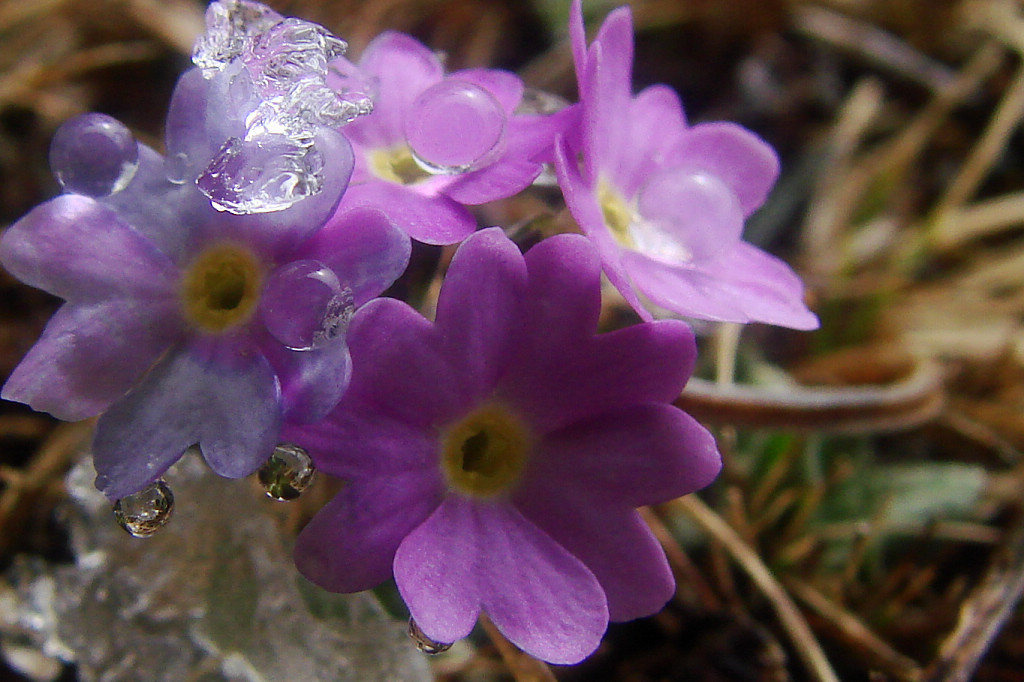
424,643
260,175
176,168
143,513
230,28
686,215
94,155
304,305
288,473
456,126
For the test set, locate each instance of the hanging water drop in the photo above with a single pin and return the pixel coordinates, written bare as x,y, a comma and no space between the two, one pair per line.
94,155
304,305
288,473
457,126
143,513
424,643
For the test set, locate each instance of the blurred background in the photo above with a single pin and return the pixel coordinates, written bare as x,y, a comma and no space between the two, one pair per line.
869,524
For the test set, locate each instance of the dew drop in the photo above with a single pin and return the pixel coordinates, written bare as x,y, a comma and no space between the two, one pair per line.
456,126
687,215
176,168
288,473
94,155
304,305
424,643
143,513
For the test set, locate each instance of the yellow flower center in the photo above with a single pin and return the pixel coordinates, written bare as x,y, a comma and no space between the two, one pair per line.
396,165
484,454
221,287
618,216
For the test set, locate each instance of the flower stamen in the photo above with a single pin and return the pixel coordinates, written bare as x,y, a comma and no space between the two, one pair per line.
484,453
397,165
221,287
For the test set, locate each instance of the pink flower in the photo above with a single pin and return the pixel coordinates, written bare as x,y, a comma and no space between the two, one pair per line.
494,459
664,202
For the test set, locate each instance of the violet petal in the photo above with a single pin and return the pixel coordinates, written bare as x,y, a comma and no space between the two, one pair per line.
90,355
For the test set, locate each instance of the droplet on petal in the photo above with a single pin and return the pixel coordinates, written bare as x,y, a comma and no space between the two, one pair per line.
305,306
456,126
424,643
143,513
260,175
288,473
94,155
176,168
686,215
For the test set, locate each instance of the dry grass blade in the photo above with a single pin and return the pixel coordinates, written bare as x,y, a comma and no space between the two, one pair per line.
984,612
854,634
792,620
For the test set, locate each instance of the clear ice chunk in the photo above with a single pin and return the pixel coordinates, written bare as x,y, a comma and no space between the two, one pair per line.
285,102
231,26
267,173
214,597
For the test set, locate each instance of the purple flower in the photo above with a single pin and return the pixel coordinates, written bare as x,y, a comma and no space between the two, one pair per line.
182,323
435,143
664,202
494,458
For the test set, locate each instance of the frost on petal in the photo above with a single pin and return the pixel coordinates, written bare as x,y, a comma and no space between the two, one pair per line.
205,393
467,557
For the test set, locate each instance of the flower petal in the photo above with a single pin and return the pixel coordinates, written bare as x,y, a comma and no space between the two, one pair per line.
365,250
744,285
479,307
655,108
402,366
468,555
564,295
358,441
502,179
642,363
583,206
221,395
163,212
640,454
91,354
605,94
738,157
350,544
78,249
612,540
430,219
312,381
403,68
